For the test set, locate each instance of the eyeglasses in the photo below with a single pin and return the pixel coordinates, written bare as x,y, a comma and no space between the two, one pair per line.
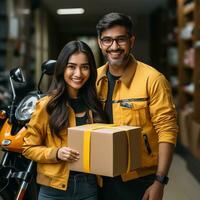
121,40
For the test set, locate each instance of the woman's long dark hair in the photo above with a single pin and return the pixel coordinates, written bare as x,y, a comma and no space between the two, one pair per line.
57,106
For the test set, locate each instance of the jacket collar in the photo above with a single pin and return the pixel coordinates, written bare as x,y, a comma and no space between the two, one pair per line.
128,74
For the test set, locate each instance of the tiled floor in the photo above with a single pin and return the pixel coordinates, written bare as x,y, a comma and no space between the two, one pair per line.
182,184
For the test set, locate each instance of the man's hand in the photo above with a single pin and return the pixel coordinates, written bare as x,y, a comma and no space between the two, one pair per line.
154,192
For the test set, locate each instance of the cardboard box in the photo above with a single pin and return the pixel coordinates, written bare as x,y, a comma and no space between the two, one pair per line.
104,149
195,139
185,117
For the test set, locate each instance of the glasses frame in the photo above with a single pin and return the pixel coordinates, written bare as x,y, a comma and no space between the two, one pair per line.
116,40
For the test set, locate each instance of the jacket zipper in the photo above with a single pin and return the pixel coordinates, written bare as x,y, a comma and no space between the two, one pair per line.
147,145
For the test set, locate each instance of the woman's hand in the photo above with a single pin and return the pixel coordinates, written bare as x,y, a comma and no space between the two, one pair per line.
67,154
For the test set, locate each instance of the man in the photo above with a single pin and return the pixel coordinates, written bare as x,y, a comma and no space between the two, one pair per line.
135,94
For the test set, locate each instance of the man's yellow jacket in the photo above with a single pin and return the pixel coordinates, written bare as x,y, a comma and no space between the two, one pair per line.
142,97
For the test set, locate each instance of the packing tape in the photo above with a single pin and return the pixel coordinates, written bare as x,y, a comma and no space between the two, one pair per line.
87,142
86,150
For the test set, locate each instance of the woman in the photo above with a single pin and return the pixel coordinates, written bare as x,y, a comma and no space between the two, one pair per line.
72,101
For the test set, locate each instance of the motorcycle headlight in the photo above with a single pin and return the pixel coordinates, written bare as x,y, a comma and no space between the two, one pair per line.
26,107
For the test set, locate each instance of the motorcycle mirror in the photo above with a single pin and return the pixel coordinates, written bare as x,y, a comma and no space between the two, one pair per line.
48,67
17,75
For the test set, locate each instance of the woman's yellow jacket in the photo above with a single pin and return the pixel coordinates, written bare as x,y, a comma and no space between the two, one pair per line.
40,146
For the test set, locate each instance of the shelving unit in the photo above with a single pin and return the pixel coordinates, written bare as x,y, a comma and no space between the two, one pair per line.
186,39
19,40
197,61
3,34
172,48
188,16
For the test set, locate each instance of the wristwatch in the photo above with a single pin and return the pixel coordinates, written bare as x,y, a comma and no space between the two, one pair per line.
162,179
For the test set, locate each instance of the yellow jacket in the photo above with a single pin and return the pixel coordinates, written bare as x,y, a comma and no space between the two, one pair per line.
41,146
142,97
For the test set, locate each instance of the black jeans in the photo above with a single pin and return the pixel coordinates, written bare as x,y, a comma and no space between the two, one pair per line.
116,189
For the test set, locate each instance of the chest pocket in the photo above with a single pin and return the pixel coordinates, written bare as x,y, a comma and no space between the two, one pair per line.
135,113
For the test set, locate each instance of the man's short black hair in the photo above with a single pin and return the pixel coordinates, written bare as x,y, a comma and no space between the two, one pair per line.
112,19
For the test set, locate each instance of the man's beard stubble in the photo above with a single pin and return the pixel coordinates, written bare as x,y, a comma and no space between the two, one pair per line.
120,62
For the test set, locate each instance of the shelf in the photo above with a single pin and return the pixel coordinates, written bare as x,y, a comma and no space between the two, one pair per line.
188,93
187,30
197,44
188,68
187,36
188,8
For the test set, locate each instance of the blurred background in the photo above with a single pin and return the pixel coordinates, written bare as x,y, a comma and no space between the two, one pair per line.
167,37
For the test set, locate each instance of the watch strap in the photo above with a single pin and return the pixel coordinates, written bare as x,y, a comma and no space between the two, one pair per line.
162,179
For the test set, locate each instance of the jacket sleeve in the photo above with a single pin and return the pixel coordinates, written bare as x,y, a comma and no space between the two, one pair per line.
162,110
34,147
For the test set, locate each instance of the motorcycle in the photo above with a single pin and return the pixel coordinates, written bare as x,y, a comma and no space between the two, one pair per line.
17,174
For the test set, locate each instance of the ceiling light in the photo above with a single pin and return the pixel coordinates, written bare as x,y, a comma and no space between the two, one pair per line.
70,11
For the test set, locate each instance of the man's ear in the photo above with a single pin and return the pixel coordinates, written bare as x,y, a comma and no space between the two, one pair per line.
99,42
132,39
